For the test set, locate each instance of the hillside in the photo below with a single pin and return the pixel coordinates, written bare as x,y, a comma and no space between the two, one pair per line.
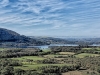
53,40
9,38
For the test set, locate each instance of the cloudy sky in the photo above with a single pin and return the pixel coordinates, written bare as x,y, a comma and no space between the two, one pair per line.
51,17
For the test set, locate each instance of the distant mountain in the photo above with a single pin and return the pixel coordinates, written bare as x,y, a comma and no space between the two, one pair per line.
68,40
11,38
53,40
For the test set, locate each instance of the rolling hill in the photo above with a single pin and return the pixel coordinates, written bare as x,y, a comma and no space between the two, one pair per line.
9,38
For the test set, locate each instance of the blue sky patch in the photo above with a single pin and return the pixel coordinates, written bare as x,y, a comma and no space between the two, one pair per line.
51,17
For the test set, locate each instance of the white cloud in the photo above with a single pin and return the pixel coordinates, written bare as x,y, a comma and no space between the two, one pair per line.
53,14
4,3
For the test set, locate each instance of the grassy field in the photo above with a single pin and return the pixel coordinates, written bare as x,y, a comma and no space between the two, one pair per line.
86,48
1,49
29,57
66,53
35,66
59,54
46,50
82,55
97,49
52,55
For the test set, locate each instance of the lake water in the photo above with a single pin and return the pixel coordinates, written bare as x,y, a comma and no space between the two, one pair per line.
95,45
47,46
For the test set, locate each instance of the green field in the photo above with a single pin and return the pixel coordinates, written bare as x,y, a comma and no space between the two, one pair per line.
46,50
29,57
86,48
1,49
35,66
82,55
52,55
96,49
59,61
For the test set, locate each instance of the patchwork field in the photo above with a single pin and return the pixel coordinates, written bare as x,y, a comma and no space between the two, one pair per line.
66,63
29,62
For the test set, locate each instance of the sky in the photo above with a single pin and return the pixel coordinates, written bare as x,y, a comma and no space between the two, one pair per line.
51,17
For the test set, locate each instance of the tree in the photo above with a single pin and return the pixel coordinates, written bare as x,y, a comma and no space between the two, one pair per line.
8,70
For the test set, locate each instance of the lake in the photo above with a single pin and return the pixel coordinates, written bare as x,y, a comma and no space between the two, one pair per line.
47,46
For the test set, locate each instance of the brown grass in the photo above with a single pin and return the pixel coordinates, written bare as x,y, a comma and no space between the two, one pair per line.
67,53
72,73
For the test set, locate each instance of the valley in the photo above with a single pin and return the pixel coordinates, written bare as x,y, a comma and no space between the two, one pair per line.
57,60
22,55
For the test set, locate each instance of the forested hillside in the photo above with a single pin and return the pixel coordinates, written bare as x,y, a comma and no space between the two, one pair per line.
9,38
